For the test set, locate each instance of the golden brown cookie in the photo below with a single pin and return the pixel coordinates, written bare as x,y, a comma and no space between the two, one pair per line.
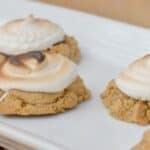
145,143
128,96
68,48
24,103
36,76
124,107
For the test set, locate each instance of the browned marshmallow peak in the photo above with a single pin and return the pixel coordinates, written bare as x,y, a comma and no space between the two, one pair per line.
36,71
25,63
135,79
29,34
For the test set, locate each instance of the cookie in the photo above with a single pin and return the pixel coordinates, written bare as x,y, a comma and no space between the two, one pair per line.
18,102
127,97
124,107
69,48
145,143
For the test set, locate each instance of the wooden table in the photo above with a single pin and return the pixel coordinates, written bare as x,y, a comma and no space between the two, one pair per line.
131,11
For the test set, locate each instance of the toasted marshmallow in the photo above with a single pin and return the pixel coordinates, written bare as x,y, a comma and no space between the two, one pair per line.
29,34
135,80
37,72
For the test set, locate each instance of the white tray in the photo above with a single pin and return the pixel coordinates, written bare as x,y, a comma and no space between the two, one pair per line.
107,46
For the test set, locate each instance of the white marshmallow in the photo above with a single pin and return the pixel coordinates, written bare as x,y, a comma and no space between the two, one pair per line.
29,34
53,74
135,80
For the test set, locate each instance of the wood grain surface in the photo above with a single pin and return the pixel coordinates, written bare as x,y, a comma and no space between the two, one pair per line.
131,11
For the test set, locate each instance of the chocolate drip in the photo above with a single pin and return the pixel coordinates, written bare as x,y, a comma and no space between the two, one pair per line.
17,59
39,56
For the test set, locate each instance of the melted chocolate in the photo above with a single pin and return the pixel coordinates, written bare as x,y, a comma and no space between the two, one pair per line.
39,56
17,59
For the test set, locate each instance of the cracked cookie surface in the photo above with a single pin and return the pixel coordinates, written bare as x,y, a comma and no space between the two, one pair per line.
24,103
124,107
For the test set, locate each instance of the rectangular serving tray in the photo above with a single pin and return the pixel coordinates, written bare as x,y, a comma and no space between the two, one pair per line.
107,47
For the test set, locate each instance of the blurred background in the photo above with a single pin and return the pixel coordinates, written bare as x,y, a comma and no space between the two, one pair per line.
131,11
